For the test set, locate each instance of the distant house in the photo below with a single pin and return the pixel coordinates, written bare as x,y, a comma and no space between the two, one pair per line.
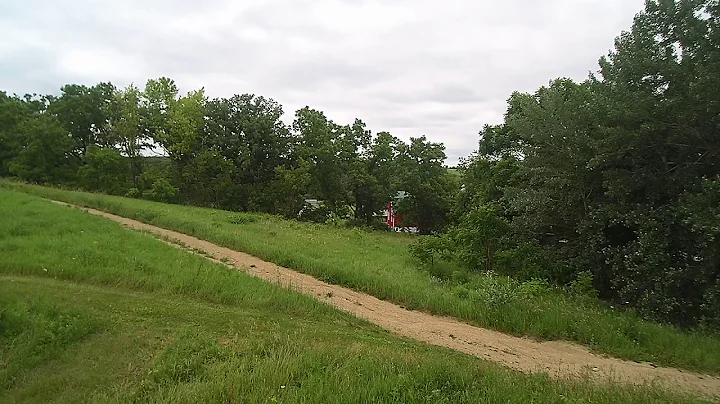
309,206
394,219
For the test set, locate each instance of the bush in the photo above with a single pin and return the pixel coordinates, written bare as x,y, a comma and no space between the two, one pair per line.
428,249
315,214
133,193
526,261
583,285
162,191
105,170
480,234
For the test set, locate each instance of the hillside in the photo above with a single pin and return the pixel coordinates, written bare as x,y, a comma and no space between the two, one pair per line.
378,263
91,312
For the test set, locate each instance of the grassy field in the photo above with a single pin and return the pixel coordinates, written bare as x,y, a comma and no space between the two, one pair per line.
378,263
92,312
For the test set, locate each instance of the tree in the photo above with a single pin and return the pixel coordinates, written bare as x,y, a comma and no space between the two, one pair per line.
661,85
479,235
429,185
85,113
318,143
13,111
288,189
208,180
601,174
184,127
105,170
354,160
156,100
128,128
248,131
46,152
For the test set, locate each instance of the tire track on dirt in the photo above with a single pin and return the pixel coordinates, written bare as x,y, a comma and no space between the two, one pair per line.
561,360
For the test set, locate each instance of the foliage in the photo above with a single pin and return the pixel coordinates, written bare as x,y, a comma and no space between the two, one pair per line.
161,191
319,213
616,175
583,285
479,235
105,170
430,186
232,153
85,113
428,249
45,154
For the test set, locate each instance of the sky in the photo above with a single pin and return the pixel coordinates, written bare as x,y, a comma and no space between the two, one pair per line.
442,69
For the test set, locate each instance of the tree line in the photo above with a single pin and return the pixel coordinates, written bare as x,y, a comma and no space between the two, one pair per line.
232,153
611,184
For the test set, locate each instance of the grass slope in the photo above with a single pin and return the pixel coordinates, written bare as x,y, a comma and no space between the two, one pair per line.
91,312
378,264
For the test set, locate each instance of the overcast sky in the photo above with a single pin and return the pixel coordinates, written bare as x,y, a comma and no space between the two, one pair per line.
411,67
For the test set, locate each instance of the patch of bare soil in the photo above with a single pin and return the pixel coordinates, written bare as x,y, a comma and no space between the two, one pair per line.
559,359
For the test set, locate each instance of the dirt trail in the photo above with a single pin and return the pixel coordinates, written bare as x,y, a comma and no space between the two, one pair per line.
559,359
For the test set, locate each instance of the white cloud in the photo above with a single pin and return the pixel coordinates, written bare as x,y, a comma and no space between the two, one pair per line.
410,67
99,64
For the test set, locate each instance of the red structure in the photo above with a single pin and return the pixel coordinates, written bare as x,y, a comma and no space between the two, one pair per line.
392,218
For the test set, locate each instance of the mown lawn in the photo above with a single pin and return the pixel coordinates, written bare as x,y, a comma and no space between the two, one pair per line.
378,263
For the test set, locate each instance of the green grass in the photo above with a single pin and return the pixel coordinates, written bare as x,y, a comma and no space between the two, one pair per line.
92,312
378,263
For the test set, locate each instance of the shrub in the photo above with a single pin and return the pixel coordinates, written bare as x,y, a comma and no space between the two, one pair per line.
428,249
480,234
162,191
583,285
315,214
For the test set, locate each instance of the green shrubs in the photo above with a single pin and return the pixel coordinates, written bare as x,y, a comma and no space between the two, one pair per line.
162,191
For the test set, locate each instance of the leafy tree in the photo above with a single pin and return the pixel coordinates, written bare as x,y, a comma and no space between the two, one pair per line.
161,191
318,143
429,185
480,234
383,168
13,111
128,127
46,152
85,113
288,188
249,133
105,170
208,181
184,127
484,180
613,174
156,100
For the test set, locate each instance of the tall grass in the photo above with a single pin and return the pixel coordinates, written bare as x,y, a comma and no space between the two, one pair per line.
153,348
377,263
91,312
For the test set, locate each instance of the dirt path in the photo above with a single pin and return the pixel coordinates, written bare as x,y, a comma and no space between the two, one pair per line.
559,359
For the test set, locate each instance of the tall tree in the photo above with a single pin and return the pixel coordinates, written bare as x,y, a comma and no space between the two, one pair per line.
157,98
429,185
13,111
248,131
46,152
128,128
85,113
318,143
